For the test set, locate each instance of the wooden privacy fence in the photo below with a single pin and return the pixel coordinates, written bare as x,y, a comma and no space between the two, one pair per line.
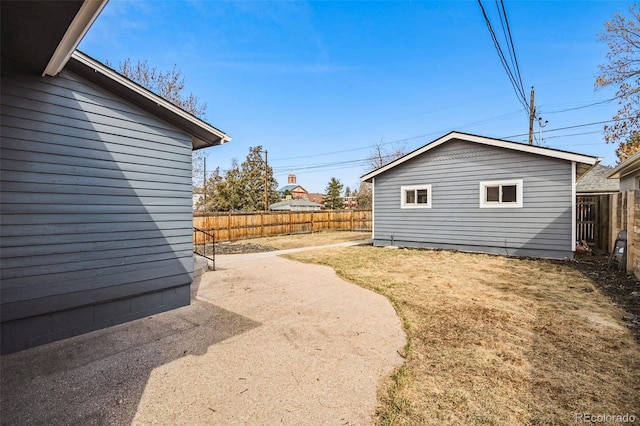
625,214
592,220
237,226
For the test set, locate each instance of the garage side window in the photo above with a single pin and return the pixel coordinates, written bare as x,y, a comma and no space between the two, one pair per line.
501,194
415,196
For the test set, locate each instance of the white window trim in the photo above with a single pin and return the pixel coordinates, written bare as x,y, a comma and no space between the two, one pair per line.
499,205
404,205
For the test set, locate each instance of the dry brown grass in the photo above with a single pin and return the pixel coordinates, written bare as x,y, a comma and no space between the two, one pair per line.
308,240
494,340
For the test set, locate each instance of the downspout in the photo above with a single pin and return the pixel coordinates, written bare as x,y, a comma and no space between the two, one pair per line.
573,206
373,204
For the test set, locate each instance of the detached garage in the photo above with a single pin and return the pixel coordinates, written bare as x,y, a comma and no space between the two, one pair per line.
96,193
473,193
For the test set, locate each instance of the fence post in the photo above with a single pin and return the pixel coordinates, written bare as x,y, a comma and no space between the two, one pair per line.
631,219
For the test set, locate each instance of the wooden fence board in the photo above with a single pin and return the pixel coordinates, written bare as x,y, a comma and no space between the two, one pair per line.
238,226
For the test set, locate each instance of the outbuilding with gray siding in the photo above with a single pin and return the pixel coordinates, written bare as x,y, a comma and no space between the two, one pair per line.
479,194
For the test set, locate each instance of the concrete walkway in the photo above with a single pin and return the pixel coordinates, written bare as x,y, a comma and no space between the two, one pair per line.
266,341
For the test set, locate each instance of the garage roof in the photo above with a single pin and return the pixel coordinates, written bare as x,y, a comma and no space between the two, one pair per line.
584,162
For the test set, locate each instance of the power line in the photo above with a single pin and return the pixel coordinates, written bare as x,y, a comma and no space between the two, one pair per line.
502,12
583,106
337,165
460,127
569,127
576,134
516,83
321,165
334,165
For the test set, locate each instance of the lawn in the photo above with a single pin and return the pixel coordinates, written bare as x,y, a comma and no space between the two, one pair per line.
495,340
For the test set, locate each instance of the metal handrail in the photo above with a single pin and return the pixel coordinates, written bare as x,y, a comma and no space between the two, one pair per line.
211,239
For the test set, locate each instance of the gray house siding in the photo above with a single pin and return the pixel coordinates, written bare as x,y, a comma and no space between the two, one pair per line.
96,211
629,182
542,227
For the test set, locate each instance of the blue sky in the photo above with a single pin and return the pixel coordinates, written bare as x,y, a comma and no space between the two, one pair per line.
318,84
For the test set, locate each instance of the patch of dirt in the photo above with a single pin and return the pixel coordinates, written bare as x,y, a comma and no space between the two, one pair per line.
241,248
620,287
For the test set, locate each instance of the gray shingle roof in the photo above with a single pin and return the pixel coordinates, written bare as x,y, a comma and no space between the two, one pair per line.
595,180
295,204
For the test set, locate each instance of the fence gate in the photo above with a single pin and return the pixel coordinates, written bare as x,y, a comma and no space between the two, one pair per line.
592,220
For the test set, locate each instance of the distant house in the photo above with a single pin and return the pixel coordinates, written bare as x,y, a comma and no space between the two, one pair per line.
595,182
628,172
293,189
316,197
350,202
294,204
96,194
479,194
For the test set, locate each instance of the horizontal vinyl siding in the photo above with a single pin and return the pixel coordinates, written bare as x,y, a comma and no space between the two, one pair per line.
629,182
96,198
454,170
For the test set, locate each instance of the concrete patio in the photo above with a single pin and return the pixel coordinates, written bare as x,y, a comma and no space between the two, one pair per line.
265,341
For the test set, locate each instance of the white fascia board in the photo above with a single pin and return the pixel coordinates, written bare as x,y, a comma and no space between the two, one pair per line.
83,20
629,165
564,155
124,81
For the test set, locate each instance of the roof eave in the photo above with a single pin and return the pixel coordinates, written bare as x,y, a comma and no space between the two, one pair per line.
203,134
565,155
628,166
83,20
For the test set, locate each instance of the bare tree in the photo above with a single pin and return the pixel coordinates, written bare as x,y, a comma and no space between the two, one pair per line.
622,70
379,156
167,84
170,85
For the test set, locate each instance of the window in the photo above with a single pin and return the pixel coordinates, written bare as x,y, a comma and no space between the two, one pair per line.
501,194
415,196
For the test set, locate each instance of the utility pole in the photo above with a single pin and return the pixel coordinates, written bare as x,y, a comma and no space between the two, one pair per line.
266,180
266,177
204,183
532,115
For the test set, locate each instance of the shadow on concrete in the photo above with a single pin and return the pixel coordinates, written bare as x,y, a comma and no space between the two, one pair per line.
99,378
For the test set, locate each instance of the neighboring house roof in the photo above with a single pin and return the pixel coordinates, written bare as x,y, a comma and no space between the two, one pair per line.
584,162
628,166
316,197
291,187
294,202
595,181
40,38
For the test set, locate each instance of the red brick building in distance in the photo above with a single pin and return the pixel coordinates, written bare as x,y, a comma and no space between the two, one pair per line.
297,192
